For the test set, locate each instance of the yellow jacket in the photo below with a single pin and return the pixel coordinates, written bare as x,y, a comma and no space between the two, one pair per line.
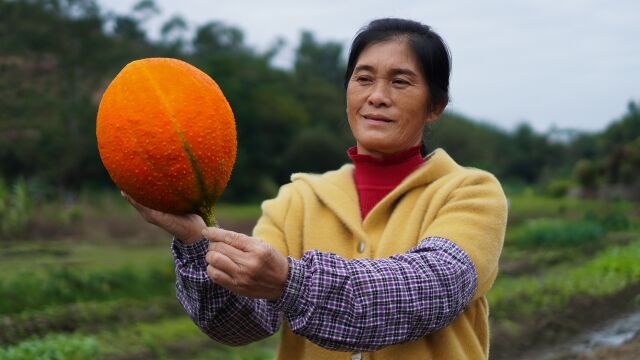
440,199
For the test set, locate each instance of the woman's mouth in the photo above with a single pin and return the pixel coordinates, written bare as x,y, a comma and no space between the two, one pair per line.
377,118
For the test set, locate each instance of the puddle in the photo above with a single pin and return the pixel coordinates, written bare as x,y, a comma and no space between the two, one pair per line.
613,333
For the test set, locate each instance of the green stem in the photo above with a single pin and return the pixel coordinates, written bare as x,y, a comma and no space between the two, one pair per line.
209,215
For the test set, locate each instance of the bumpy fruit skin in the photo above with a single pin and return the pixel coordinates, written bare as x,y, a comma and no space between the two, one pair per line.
166,135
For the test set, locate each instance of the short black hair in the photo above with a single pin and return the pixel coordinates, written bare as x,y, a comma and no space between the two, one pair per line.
428,47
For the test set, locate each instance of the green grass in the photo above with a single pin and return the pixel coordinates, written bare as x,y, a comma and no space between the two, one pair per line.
260,350
557,233
523,208
90,316
105,283
26,290
112,200
16,207
526,296
54,347
43,256
160,340
152,337
235,212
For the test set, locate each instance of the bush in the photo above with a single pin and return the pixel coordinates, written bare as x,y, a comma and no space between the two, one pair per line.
314,150
54,347
558,188
527,296
62,286
557,233
15,208
85,316
610,220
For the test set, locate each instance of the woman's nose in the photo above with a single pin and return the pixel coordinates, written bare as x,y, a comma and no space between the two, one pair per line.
379,95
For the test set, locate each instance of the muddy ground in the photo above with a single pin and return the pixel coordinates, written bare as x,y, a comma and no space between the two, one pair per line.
544,337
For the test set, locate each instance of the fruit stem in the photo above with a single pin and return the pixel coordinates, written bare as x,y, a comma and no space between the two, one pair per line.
209,216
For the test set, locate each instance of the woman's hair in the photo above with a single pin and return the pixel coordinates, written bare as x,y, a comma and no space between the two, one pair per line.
428,47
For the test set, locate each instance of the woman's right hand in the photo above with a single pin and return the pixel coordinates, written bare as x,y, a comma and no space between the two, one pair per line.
186,228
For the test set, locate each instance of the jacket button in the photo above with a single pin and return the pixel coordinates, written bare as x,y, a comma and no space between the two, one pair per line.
361,247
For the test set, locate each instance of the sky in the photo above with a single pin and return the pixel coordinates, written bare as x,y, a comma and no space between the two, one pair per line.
565,64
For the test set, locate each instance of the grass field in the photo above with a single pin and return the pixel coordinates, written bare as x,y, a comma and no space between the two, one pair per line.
88,279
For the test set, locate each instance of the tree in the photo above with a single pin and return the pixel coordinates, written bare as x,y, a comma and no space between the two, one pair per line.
319,60
173,33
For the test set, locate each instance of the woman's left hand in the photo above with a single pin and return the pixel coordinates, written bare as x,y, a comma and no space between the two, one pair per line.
245,265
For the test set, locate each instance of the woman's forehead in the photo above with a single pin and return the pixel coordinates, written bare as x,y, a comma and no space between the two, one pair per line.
388,54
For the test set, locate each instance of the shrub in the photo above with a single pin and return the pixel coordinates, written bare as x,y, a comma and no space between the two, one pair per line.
610,220
526,296
557,233
62,286
85,316
15,208
54,347
558,188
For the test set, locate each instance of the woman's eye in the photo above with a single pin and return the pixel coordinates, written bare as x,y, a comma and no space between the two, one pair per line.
400,82
363,79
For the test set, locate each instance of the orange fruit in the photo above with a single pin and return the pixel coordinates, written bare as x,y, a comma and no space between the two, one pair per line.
166,135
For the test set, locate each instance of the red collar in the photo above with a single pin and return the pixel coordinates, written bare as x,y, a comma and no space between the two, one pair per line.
375,178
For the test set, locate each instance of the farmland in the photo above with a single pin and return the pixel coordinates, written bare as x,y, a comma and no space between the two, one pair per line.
89,279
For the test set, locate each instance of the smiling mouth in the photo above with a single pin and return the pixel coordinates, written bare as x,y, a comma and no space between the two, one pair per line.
377,118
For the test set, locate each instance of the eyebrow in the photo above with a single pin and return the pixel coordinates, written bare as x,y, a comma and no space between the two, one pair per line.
394,71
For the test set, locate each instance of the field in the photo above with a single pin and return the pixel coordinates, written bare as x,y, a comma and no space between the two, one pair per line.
86,278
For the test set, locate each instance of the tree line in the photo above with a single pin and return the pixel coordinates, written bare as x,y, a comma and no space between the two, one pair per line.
58,56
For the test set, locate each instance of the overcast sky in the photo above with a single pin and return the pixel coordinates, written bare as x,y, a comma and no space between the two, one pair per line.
565,63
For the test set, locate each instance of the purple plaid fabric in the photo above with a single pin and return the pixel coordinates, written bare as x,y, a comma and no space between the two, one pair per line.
222,315
347,305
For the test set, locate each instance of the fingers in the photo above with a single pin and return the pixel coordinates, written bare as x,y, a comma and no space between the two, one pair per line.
130,200
221,278
231,238
245,265
227,250
185,227
141,208
146,212
221,262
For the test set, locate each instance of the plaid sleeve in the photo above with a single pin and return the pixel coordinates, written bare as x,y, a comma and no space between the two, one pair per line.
364,305
222,315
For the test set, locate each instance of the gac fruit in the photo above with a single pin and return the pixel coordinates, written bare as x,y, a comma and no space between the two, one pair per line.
166,135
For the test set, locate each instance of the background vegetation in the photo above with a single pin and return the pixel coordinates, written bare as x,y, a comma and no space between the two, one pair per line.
82,277
51,83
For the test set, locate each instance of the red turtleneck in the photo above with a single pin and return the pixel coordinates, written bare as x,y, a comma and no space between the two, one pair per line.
375,178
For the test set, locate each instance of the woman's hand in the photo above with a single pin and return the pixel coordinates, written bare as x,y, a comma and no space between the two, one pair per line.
186,228
245,265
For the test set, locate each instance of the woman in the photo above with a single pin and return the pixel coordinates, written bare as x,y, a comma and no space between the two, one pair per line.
389,258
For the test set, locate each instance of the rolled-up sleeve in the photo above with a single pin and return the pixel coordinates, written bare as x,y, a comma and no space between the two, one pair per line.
363,305
222,315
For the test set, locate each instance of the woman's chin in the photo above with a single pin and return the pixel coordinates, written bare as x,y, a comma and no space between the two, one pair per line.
379,147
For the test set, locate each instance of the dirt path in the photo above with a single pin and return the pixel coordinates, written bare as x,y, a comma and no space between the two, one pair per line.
552,337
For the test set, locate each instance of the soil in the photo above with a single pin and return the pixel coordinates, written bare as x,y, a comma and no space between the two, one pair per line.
628,351
541,334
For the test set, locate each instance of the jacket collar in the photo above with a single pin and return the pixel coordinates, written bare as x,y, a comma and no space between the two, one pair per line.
337,189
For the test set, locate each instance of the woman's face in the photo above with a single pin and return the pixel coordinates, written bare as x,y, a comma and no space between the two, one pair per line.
387,97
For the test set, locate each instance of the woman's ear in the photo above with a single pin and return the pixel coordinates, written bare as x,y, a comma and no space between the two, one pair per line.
434,113
431,118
